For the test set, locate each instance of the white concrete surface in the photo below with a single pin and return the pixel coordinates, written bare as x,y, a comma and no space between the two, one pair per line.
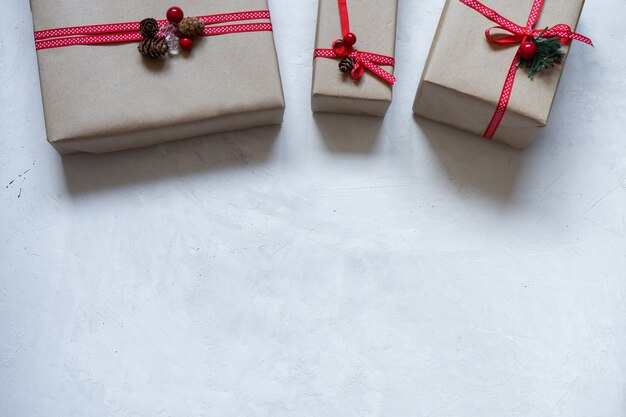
333,267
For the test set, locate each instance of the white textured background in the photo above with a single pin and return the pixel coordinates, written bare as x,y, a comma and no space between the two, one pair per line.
335,266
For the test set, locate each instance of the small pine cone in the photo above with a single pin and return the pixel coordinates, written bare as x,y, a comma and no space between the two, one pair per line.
346,65
148,27
153,47
191,26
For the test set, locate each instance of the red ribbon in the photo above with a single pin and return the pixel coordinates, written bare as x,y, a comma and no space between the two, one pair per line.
129,32
362,60
517,35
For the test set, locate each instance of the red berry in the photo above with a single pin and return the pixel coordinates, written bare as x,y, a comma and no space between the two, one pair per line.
339,47
349,39
527,50
175,15
185,43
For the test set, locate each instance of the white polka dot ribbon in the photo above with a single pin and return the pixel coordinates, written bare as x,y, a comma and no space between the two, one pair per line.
129,32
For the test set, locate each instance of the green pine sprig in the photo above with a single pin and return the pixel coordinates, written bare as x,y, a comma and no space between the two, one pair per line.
548,54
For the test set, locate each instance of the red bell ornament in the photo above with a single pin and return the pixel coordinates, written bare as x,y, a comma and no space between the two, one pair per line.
527,50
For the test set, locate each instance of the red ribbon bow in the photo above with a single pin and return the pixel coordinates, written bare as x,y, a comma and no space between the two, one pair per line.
517,35
362,60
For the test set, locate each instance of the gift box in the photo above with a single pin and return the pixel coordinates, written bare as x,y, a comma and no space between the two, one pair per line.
108,97
467,78
365,88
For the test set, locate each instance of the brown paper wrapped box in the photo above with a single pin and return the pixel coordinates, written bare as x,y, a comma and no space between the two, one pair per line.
108,97
464,74
374,23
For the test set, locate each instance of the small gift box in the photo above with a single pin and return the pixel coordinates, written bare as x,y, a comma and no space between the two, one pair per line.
353,60
498,82
108,86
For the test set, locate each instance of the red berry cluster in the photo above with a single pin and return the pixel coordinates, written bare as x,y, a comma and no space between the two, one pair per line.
175,15
344,46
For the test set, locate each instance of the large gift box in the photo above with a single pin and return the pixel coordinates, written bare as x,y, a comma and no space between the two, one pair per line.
365,88
103,98
467,78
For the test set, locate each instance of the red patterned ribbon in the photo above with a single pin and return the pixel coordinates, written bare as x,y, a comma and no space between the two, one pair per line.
517,35
362,60
129,32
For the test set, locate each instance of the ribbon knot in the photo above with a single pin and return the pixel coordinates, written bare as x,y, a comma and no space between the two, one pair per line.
517,34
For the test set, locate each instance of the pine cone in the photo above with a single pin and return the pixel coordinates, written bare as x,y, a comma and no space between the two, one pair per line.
153,47
148,27
346,65
191,26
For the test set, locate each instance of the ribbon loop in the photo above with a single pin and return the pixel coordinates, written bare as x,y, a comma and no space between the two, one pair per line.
561,30
565,32
358,70
501,38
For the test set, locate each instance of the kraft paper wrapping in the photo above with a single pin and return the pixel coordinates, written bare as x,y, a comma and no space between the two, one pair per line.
106,98
374,23
464,73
